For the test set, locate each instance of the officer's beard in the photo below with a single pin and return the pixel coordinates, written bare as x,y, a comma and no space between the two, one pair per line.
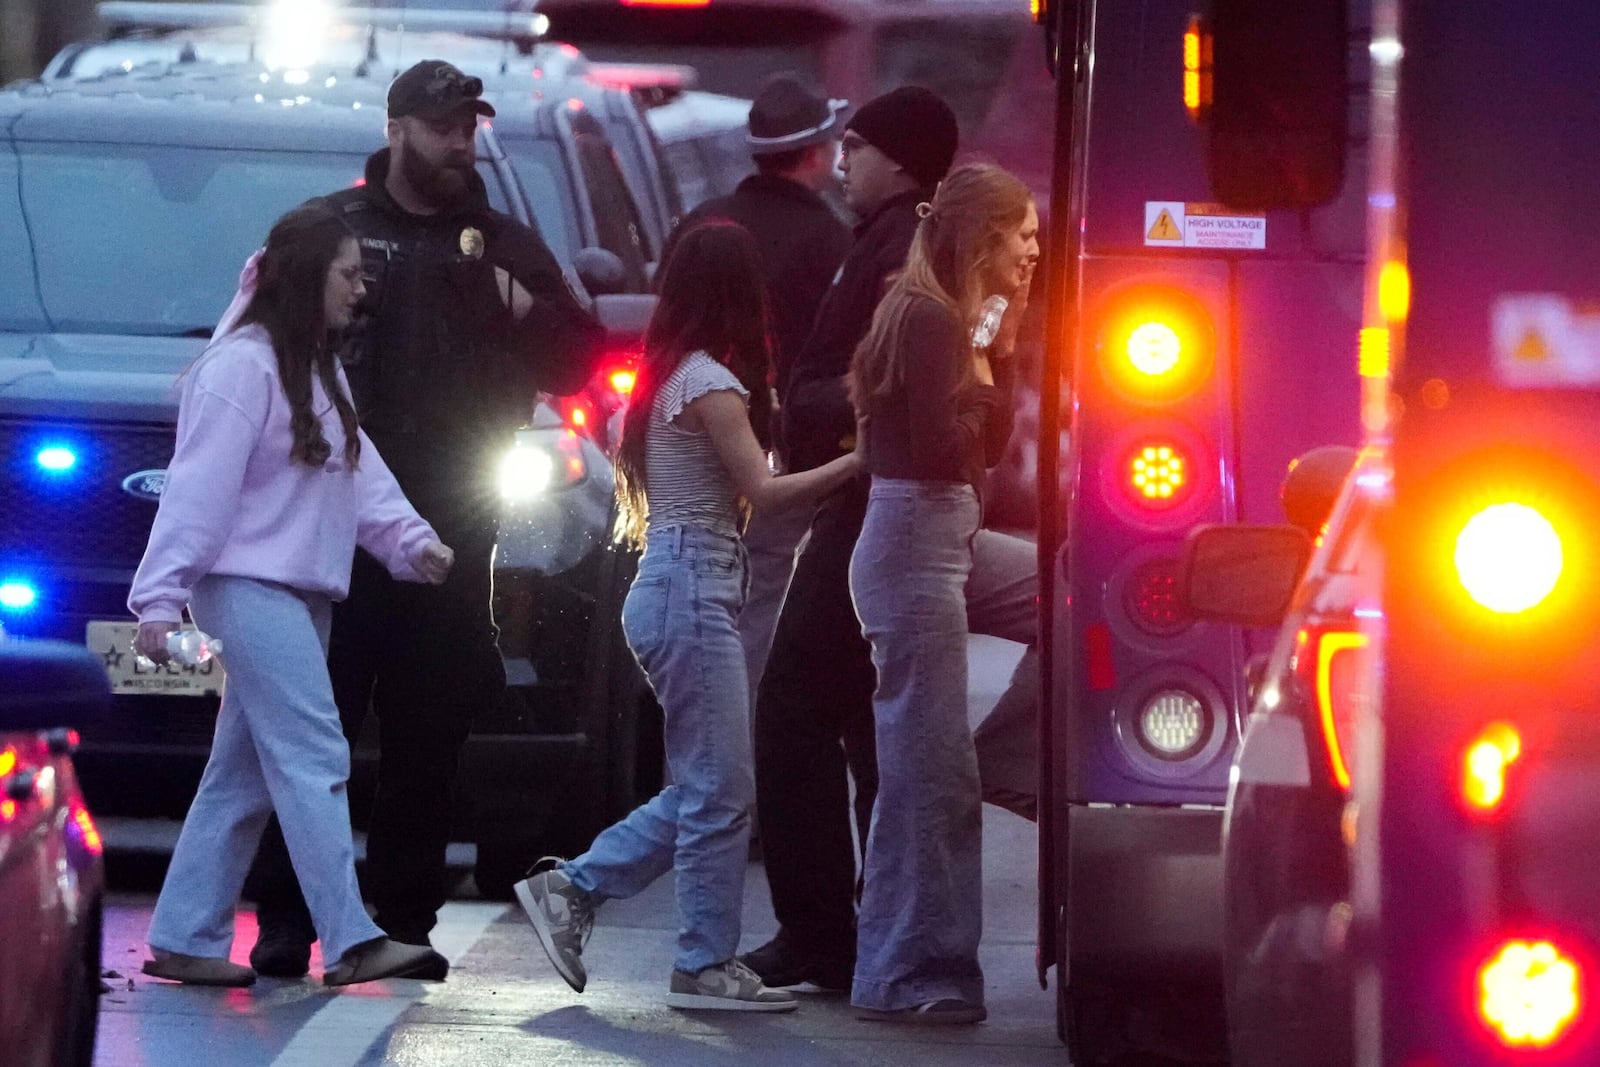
441,185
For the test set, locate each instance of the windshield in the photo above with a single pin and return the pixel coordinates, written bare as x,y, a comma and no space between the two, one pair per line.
144,239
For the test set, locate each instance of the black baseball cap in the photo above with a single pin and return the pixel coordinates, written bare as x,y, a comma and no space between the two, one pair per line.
434,89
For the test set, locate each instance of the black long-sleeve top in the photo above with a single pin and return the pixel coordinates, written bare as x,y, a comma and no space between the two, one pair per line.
928,430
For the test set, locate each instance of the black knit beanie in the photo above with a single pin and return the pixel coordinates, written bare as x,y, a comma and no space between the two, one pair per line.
913,127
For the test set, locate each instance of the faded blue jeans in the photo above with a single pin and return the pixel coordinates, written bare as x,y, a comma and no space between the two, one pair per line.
679,619
278,747
921,913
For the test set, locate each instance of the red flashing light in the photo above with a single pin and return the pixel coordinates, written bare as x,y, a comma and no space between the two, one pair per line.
358,183
8,810
1159,474
666,3
623,380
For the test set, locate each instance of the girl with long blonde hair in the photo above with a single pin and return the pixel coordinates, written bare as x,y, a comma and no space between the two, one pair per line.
933,402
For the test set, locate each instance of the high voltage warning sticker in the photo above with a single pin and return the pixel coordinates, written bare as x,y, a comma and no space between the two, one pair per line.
1175,224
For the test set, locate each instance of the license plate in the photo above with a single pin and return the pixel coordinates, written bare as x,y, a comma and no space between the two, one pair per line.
113,643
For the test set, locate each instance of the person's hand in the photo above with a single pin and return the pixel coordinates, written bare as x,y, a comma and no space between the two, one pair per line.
151,642
512,294
434,562
1011,322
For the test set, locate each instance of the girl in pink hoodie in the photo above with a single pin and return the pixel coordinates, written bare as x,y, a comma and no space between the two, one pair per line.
271,488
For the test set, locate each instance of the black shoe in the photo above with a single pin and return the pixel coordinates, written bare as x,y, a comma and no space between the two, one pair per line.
436,969
780,965
281,952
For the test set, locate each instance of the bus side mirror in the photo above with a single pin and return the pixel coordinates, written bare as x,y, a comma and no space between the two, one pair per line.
1242,574
1279,102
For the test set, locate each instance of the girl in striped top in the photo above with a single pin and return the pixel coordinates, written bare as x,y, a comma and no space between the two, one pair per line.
688,465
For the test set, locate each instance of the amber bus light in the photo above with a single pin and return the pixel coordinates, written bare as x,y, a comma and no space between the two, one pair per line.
1508,557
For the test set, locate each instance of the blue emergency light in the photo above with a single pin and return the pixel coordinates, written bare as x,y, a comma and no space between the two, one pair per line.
17,595
56,459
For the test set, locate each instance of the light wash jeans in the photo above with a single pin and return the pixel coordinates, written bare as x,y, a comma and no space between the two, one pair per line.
772,540
679,618
921,913
278,747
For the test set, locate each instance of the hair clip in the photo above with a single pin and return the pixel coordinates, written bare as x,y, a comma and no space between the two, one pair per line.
924,210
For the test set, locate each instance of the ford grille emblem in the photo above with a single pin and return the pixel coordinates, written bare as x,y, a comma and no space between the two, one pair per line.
146,485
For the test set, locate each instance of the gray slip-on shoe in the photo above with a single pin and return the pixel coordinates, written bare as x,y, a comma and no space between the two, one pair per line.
197,970
379,958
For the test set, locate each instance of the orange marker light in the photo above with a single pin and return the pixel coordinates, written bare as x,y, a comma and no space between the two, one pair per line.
1156,344
8,762
87,830
1483,780
1154,348
1508,557
1529,994
1159,474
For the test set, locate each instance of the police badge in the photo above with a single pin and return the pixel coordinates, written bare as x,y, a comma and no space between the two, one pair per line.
472,242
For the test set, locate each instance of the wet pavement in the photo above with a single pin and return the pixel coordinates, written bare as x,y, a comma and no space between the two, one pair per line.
504,1004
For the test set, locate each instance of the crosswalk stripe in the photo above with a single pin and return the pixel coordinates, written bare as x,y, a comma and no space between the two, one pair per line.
345,1027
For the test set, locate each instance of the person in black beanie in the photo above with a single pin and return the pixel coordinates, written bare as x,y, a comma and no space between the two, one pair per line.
813,711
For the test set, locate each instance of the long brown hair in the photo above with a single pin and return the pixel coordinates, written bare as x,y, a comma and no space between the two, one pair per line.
713,299
961,229
291,279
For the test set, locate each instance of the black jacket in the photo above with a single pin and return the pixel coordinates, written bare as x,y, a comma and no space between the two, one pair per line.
818,421
440,372
802,243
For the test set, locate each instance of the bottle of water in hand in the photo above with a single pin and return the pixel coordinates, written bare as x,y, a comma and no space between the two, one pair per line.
188,648
988,326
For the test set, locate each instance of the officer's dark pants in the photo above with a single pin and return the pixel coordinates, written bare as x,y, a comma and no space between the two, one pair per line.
424,660
813,720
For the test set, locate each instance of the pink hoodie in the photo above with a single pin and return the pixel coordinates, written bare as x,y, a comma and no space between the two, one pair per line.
234,503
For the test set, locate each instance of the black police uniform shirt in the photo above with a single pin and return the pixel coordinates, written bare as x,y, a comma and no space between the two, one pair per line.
441,373
802,243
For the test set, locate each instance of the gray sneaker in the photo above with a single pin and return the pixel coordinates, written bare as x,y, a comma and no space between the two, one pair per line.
729,986
562,916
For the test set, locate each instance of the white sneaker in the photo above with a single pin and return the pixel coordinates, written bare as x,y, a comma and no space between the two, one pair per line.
729,986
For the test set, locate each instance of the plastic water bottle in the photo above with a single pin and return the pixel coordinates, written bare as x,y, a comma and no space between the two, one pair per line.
188,648
989,316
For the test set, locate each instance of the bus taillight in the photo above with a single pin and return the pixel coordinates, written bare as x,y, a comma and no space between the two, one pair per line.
1483,767
1160,474
1508,557
1156,344
1529,994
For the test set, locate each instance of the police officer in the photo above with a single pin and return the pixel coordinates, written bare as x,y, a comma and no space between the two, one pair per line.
467,315
793,137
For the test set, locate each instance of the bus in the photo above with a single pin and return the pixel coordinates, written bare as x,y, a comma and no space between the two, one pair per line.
1205,274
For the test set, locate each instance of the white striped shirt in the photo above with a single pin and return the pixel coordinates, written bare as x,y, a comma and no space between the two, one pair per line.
686,481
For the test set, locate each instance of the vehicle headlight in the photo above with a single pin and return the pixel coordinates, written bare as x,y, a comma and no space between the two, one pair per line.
541,461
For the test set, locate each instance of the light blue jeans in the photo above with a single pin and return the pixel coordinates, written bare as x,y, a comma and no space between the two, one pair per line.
278,747
921,913
679,618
